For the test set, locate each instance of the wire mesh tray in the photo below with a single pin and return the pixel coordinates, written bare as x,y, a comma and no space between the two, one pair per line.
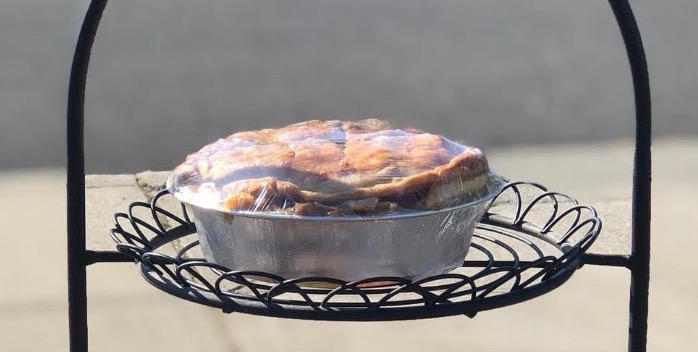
529,242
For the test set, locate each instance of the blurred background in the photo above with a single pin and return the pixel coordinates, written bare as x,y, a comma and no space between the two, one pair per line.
537,84
169,76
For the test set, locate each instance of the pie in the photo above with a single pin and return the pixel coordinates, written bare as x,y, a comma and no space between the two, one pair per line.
332,168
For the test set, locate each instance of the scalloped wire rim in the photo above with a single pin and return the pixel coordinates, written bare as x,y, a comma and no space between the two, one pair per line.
515,264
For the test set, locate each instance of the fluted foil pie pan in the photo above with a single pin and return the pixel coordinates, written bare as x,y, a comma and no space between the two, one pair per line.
410,245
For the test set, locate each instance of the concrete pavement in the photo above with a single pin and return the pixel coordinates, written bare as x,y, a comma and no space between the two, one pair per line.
589,313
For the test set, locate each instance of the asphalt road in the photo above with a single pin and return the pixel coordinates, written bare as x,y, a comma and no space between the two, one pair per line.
168,76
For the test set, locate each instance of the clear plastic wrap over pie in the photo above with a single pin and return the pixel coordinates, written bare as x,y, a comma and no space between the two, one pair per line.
346,200
334,169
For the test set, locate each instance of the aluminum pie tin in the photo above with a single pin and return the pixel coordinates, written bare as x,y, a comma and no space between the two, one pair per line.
411,244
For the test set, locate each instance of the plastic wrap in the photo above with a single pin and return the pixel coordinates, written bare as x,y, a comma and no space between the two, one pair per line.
347,200
332,168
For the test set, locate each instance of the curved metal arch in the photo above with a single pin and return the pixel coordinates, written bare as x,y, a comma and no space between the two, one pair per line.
79,258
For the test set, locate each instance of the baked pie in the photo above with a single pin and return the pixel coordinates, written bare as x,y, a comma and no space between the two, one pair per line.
332,168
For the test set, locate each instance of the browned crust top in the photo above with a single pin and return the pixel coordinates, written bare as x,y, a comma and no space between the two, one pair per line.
333,168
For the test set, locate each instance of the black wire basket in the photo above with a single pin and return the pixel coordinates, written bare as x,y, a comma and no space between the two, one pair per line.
529,242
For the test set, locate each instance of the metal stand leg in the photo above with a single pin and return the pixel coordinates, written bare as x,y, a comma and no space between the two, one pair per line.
77,255
640,256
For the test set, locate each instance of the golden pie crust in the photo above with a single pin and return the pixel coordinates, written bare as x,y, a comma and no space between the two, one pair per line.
331,168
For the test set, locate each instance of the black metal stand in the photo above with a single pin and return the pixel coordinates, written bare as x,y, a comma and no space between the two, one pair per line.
444,295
